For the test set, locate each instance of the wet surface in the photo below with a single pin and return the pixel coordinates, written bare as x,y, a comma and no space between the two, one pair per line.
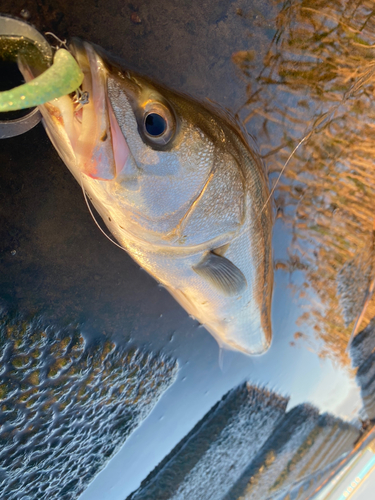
294,71
67,406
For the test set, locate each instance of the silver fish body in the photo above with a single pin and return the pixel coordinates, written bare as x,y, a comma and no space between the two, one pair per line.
180,190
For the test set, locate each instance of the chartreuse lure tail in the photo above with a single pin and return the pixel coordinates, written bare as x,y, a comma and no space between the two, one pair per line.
63,77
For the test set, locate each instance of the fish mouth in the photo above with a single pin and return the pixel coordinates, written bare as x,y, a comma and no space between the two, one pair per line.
82,126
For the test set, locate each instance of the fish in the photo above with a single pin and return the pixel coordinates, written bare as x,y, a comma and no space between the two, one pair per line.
179,188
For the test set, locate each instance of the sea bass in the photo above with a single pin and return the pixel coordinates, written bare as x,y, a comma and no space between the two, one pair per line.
180,190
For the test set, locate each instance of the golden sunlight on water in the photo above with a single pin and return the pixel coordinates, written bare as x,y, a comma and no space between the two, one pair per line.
316,85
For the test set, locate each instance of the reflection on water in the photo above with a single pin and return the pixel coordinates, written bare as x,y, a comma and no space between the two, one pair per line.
248,447
67,407
363,356
316,82
215,452
299,454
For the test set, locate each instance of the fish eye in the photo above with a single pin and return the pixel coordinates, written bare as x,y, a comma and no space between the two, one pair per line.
155,124
159,124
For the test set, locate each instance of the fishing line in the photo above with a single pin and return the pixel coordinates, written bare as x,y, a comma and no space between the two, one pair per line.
96,222
284,167
329,115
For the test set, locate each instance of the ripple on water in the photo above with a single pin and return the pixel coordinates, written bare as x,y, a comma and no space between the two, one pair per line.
66,407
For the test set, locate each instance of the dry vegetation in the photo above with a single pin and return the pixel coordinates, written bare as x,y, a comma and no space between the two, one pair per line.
318,81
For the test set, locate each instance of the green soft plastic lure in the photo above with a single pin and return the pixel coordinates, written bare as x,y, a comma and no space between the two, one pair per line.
63,77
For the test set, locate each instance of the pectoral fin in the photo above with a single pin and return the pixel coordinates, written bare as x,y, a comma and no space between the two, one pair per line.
222,274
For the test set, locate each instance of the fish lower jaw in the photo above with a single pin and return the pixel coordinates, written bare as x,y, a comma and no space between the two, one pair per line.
255,347
231,332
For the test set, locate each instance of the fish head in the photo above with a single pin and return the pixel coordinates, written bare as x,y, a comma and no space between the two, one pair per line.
138,149
175,182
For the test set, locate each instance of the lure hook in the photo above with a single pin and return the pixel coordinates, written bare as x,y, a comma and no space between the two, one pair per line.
63,43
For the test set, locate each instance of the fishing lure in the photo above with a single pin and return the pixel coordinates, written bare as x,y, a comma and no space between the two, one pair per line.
62,78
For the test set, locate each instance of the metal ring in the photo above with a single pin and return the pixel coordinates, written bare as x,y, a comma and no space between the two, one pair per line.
14,27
